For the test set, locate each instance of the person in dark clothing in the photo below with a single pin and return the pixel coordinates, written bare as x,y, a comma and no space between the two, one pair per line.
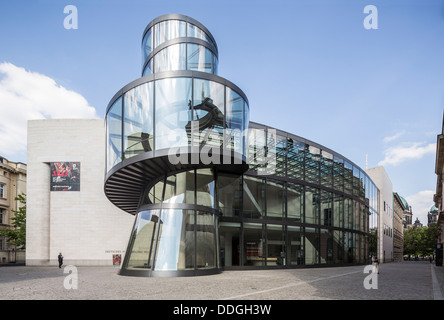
60,257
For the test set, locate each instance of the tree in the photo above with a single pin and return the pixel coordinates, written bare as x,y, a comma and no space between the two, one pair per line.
16,236
420,241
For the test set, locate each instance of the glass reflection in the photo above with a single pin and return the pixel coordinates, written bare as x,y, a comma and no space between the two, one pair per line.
205,187
229,194
141,250
234,121
176,240
208,109
275,200
114,134
196,32
295,202
179,188
205,240
171,58
199,58
138,121
147,44
173,112
167,30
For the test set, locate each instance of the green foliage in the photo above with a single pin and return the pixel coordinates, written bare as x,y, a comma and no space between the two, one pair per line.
420,241
16,236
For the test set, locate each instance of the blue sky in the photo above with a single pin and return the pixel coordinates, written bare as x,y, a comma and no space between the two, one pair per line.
311,63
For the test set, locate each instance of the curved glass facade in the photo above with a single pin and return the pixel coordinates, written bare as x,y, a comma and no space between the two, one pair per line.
159,114
173,44
297,203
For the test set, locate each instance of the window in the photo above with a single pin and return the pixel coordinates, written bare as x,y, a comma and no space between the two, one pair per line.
2,212
2,190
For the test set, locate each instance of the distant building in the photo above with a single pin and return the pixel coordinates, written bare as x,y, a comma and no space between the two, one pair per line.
439,195
398,226
385,209
417,224
12,183
407,217
432,216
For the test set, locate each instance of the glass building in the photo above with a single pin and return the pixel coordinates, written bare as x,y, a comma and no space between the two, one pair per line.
211,190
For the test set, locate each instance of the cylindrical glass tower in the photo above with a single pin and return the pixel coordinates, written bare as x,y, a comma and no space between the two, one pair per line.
169,134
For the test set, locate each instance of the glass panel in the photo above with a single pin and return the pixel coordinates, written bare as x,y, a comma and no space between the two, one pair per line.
338,173
173,112
114,134
195,32
254,244
176,240
326,251
312,160
327,169
295,202
338,246
215,65
229,188
296,242
230,243
348,213
257,147
142,240
171,58
312,205
199,58
234,121
349,246
277,148
167,30
138,122
348,178
245,129
253,197
205,187
356,182
180,188
311,246
295,156
326,208
205,240
148,69
275,200
147,44
276,250
155,193
338,211
208,109
356,211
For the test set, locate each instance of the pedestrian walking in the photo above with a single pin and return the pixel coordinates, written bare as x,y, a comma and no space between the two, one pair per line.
431,258
375,263
60,257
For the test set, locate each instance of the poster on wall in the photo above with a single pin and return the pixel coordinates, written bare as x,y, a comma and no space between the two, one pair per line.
65,176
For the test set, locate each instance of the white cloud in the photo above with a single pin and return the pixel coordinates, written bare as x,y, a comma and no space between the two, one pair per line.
26,95
398,154
394,137
421,203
